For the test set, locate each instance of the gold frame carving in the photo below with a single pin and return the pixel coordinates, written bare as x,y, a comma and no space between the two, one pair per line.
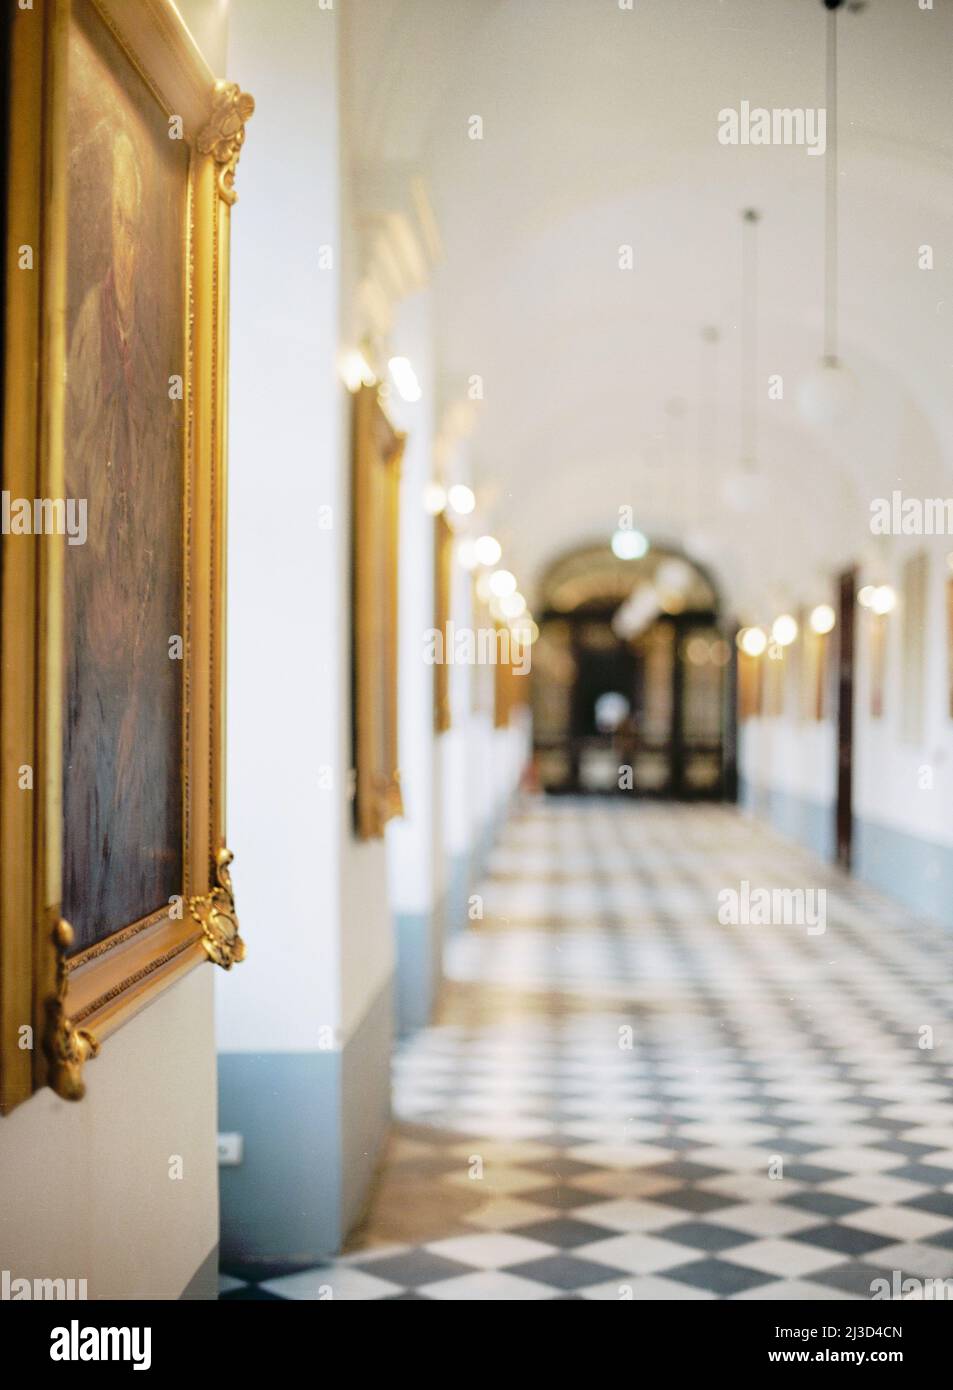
377,453
73,1003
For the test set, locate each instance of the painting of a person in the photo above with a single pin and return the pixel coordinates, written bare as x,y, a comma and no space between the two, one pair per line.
122,742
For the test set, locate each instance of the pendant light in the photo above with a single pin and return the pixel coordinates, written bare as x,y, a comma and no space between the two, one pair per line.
827,396
699,542
743,489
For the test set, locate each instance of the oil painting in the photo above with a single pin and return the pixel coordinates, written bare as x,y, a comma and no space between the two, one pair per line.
116,871
442,580
124,454
377,454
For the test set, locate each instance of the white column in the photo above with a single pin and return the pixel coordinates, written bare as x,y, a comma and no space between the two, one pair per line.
412,848
311,1005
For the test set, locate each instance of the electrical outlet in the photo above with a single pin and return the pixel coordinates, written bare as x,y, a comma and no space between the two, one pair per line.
231,1148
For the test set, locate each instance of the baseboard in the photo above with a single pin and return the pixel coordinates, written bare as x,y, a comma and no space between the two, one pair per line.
810,823
419,965
918,873
915,872
312,1125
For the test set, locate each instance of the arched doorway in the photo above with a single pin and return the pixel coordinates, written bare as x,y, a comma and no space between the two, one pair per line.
631,677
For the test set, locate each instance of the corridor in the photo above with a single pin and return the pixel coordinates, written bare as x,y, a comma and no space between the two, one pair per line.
476,698
623,1098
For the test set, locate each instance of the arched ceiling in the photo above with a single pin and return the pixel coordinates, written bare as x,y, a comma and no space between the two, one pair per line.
600,130
591,577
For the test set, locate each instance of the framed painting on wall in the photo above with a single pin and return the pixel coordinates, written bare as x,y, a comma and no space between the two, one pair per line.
442,580
377,453
877,626
815,673
511,688
749,686
483,681
112,832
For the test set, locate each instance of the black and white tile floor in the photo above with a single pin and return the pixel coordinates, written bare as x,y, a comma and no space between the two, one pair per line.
625,1099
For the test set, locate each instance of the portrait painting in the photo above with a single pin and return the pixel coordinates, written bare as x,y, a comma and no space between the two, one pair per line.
117,878
878,660
377,453
749,686
123,454
442,580
814,671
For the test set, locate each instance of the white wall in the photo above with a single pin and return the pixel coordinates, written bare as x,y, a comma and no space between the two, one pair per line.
906,786
86,1191
411,859
287,765
305,1034
794,756
366,952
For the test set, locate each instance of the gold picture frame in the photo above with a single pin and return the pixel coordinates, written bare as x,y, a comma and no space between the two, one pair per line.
877,629
58,1006
510,686
377,453
442,582
750,686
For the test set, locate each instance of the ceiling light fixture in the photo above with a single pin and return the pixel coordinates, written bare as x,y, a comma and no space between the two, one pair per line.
435,498
513,605
488,550
784,630
629,545
752,641
405,379
828,395
461,499
502,582
742,490
884,600
823,619
355,370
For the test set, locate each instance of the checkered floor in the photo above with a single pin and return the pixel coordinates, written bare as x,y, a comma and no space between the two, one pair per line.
623,1098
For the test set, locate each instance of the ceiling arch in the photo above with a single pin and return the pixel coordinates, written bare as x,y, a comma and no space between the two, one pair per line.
600,131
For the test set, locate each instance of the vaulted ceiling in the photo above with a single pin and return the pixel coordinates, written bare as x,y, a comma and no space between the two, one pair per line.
600,129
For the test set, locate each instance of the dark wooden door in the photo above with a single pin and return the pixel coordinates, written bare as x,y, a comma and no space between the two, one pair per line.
845,716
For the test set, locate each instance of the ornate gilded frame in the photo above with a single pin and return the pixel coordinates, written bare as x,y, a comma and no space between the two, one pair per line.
64,1005
442,584
377,453
510,689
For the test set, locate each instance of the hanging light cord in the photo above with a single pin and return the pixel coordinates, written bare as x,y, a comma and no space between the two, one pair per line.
830,200
749,340
705,445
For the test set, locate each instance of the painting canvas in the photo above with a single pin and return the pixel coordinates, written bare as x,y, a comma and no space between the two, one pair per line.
124,454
